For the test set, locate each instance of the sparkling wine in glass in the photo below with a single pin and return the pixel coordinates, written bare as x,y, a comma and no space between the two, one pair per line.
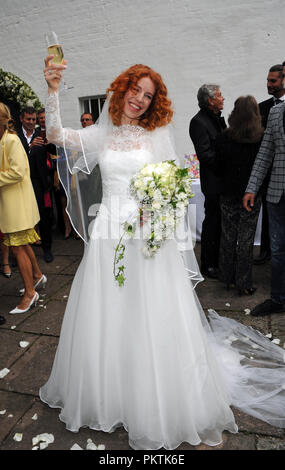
55,48
57,52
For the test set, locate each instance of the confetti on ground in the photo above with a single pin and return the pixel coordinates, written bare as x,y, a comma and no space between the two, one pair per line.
43,445
276,341
247,311
4,372
24,344
43,439
269,335
227,304
13,327
76,447
35,417
2,412
91,445
18,437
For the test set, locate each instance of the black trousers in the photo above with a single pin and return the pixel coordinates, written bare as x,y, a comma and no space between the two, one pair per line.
46,215
211,232
45,226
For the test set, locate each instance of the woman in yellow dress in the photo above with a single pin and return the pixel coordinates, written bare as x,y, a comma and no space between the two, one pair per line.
18,210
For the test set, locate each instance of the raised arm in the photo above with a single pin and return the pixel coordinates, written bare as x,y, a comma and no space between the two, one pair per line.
56,134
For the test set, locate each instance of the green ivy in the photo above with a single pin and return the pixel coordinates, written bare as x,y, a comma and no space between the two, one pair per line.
13,88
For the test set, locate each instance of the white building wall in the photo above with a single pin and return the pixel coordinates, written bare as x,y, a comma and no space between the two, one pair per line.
189,42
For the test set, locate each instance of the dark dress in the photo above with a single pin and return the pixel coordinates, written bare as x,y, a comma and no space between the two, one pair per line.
234,162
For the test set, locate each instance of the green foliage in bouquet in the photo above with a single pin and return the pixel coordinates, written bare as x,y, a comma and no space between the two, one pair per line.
162,191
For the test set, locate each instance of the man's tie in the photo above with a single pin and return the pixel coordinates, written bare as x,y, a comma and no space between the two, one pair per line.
277,102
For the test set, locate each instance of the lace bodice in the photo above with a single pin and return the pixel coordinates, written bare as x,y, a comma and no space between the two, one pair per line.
127,138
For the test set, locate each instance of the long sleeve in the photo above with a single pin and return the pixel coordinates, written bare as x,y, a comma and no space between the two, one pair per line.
263,161
17,162
81,147
202,143
56,134
220,154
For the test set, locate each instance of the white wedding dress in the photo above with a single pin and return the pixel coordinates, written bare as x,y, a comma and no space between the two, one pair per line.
141,356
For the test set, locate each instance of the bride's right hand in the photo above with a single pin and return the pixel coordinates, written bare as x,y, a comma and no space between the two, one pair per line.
53,73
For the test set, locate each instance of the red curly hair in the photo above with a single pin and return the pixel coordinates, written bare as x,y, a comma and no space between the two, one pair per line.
159,112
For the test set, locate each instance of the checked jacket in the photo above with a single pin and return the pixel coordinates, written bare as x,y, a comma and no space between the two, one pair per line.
272,150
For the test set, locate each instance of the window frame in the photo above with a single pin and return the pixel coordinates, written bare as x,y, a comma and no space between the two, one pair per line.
85,103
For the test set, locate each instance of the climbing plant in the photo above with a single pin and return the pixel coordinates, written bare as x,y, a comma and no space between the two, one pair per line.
15,89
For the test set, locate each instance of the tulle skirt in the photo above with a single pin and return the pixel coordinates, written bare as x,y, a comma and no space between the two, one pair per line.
141,356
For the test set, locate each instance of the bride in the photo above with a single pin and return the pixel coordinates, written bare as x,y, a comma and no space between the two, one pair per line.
142,355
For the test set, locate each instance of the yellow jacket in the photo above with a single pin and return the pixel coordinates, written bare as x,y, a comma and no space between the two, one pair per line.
18,205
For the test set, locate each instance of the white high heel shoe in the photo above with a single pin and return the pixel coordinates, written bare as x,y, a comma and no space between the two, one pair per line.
33,303
40,283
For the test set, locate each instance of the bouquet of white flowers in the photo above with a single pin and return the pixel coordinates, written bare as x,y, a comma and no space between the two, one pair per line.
163,191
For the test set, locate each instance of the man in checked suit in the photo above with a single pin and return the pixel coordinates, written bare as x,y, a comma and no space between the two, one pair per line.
272,152
275,87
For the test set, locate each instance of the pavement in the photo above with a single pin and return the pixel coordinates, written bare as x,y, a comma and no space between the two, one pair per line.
23,417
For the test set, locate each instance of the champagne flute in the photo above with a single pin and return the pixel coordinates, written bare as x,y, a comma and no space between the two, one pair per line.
55,49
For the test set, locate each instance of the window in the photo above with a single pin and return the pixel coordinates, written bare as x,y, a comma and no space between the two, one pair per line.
92,104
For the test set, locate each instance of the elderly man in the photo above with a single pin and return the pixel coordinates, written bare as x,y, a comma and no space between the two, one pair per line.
204,127
272,152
